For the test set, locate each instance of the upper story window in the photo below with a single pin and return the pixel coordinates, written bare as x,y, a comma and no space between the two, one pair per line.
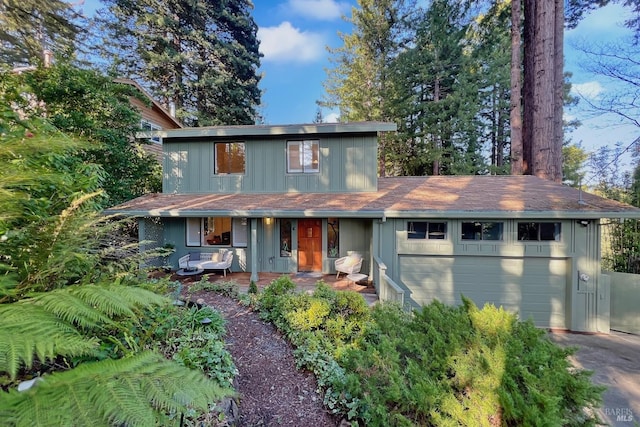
539,231
426,230
229,158
303,156
482,230
146,125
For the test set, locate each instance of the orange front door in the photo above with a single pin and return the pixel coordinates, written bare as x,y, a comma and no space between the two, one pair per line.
309,245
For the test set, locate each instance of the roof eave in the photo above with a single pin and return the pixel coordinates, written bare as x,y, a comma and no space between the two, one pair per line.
370,214
571,214
272,130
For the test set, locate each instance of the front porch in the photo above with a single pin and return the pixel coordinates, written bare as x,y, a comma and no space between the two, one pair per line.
304,281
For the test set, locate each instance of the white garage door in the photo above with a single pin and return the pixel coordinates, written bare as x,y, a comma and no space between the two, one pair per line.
533,287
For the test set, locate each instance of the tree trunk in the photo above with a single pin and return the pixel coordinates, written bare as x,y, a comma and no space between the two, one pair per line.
517,167
558,90
436,141
542,139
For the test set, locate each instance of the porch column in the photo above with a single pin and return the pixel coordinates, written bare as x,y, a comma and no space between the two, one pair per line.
254,250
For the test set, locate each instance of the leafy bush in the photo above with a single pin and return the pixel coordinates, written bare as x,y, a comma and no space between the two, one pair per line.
228,289
439,365
463,366
320,326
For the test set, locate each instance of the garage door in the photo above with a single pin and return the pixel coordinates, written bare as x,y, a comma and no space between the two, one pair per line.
533,287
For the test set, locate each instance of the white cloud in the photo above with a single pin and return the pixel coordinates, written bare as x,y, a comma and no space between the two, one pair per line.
332,118
286,43
589,90
322,10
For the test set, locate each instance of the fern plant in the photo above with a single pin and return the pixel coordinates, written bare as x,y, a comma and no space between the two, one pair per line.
63,299
142,390
51,324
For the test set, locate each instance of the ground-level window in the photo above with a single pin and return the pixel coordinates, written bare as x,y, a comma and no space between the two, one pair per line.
285,237
426,230
539,231
216,231
303,156
482,230
333,237
229,158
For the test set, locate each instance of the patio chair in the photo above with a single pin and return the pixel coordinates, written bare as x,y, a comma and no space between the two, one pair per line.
349,264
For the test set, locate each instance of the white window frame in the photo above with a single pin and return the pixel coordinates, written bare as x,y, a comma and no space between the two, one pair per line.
146,125
480,236
239,232
194,231
557,231
305,150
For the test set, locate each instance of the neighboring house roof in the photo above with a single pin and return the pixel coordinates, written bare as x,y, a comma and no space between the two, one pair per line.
168,120
473,197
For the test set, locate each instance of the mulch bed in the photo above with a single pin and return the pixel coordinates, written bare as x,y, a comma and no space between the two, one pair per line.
272,392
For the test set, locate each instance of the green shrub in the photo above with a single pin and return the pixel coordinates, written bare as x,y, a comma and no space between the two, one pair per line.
228,289
309,316
253,288
439,365
462,366
273,297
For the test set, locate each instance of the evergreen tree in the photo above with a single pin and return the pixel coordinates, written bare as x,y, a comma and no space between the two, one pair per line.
360,83
439,118
491,40
28,28
543,88
200,55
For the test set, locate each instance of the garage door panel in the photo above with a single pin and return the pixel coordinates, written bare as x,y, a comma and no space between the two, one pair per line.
533,287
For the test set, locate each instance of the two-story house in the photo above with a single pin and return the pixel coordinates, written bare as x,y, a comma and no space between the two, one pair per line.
294,198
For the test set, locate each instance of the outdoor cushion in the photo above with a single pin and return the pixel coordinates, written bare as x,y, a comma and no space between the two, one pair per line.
350,261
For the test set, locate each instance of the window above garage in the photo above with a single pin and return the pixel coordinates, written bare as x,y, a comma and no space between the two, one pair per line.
539,231
478,230
426,230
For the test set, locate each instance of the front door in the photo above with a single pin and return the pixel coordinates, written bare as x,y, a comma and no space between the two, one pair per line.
309,245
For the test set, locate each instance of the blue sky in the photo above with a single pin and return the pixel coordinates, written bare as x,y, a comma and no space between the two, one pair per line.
601,27
294,35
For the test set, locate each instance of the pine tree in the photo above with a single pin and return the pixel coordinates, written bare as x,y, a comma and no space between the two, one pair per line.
438,95
202,56
360,83
29,28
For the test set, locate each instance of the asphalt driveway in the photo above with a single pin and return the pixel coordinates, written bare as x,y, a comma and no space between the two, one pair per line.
615,360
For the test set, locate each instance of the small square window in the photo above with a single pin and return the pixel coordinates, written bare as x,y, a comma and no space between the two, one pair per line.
427,230
229,158
303,156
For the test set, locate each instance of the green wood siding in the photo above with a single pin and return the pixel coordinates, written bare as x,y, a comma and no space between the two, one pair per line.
347,163
543,276
535,288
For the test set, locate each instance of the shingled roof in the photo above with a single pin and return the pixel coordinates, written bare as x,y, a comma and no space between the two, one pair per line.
421,197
